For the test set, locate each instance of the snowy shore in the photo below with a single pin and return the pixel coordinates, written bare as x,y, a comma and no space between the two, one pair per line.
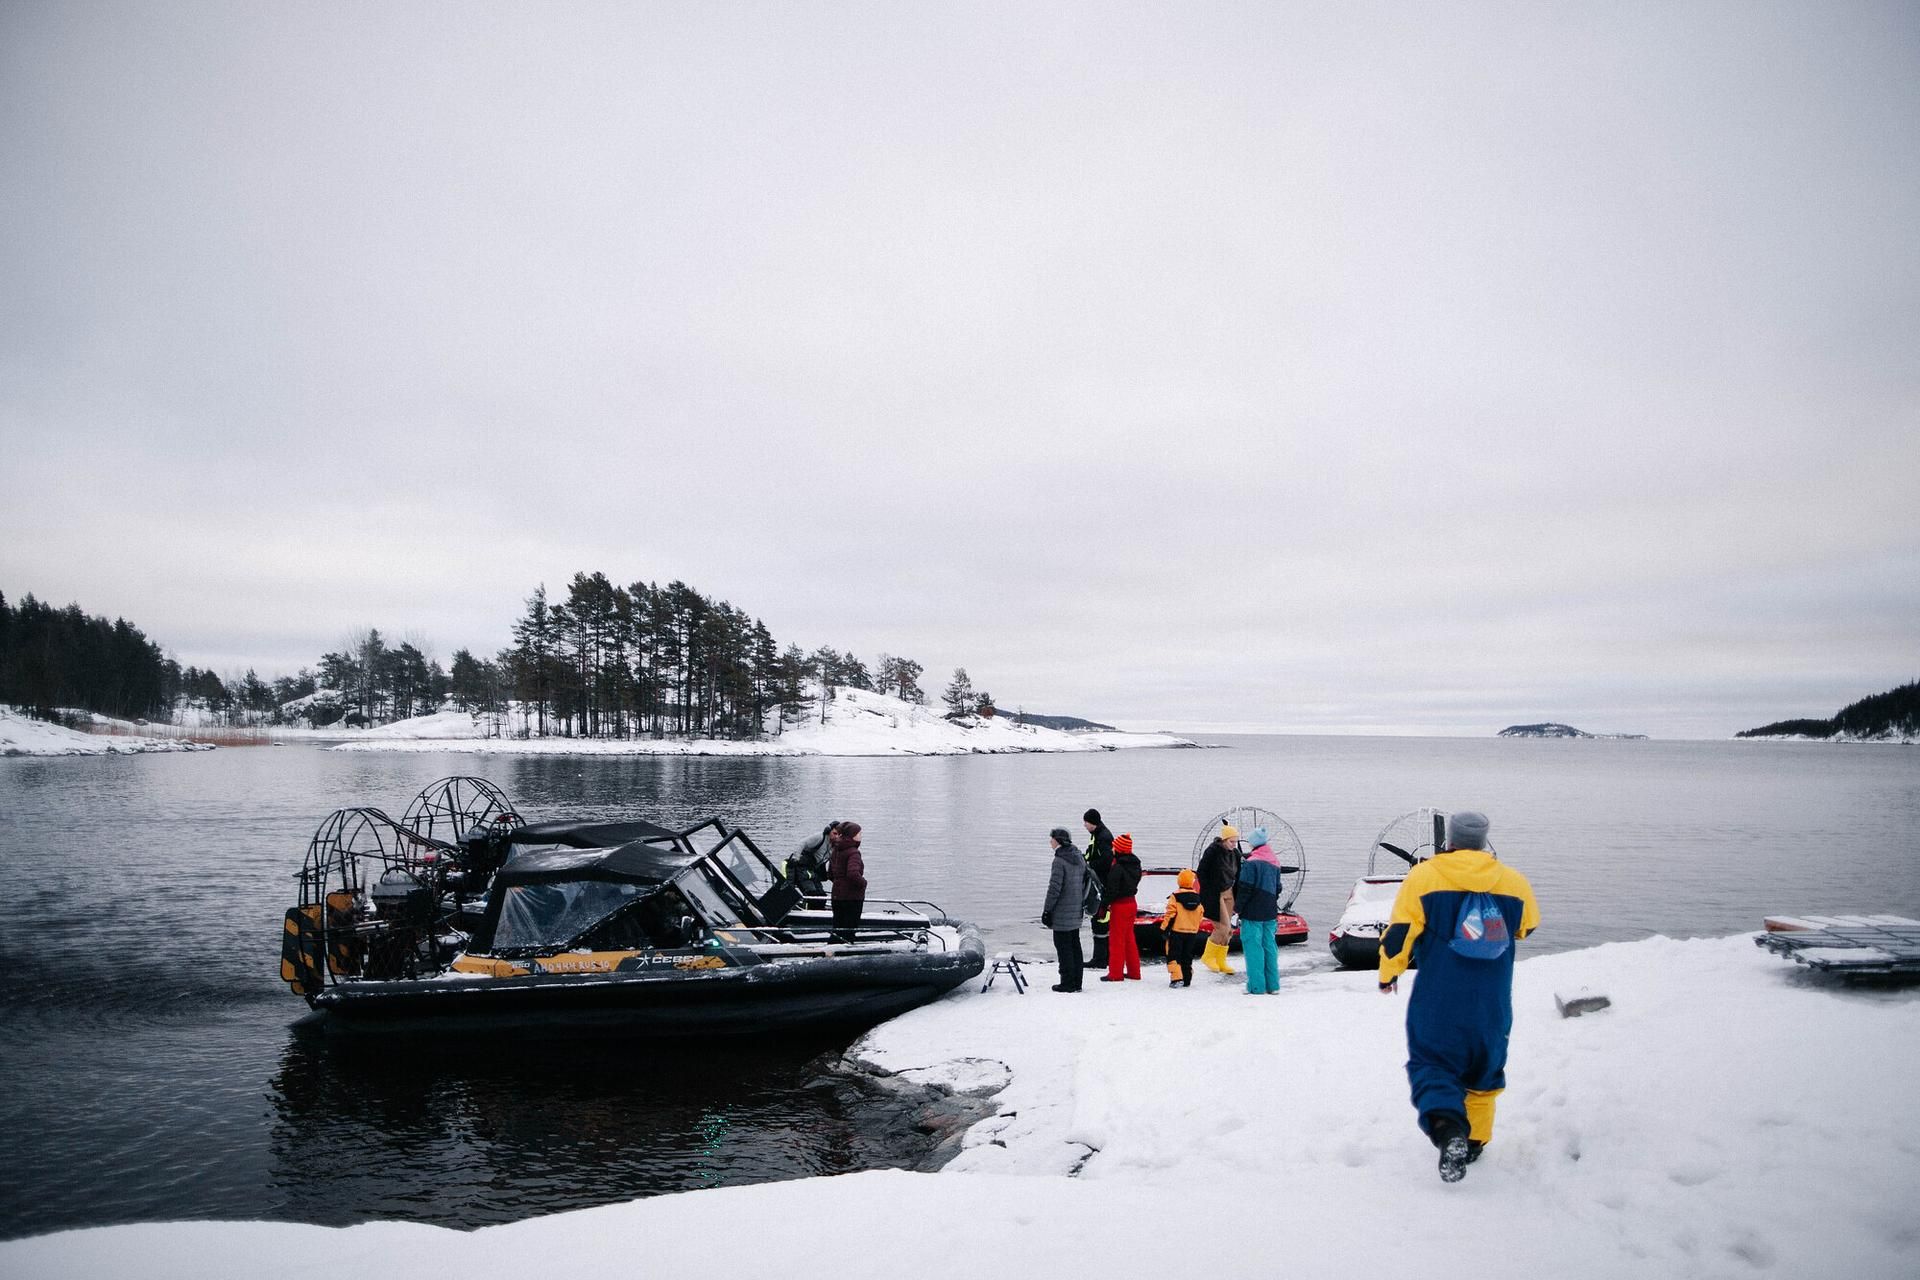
858,723
21,736
1890,738
1728,1116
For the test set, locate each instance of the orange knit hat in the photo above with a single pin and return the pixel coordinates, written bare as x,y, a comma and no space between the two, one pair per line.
1123,843
1188,880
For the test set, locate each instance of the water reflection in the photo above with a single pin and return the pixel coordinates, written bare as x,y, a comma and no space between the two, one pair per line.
467,1133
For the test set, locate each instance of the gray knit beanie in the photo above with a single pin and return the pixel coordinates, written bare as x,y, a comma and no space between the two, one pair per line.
1467,830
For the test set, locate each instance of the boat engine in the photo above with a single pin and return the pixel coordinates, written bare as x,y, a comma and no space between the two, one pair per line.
401,944
400,900
482,850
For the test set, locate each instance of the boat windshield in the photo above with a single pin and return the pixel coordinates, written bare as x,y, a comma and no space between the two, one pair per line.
747,867
552,915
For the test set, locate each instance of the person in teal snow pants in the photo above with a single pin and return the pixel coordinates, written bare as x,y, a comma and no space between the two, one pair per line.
1257,896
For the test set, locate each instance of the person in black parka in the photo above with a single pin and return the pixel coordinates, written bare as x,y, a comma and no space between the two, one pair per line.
1100,861
1219,868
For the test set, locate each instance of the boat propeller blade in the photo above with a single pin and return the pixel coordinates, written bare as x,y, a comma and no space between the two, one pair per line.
1398,852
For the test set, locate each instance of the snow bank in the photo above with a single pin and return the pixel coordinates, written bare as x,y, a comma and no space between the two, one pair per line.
437,724
858,723
1728,1116
22,736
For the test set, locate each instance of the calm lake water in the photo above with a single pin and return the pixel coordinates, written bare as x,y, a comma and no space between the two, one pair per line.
150,1072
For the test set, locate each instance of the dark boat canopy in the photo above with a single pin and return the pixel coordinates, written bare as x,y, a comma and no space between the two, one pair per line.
587,835
633,863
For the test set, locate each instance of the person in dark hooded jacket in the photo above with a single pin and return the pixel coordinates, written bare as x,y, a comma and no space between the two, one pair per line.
1123,881
848,871
1099,862
1219,868
1065,907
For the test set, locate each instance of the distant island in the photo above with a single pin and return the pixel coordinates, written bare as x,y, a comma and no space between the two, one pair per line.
1893,716
1550,729
1069,723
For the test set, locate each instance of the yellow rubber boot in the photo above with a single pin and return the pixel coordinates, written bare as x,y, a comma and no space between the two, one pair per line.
1480,1114
1216,959
1173,973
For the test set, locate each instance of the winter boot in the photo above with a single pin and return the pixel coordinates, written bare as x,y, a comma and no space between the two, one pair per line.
1173,973
1474,1149
1456,1151
1216,959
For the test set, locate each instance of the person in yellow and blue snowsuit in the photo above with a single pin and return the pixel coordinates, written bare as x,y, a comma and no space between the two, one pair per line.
1458,914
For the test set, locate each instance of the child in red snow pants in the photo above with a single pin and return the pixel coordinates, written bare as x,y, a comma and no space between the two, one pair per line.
1123,948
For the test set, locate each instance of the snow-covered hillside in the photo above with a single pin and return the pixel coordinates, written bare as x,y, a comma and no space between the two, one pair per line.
858,723
1727,1117
21,736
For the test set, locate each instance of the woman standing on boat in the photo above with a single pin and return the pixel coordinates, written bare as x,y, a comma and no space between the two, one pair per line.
1065,907
849,875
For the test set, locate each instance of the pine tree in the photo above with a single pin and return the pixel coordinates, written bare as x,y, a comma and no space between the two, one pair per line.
959,694
903,676
533,640
824,665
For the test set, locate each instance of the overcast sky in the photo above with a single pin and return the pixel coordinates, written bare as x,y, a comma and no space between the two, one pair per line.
1327,367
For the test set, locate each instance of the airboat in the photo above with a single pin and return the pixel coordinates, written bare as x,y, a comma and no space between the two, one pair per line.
1287,849
462,915
1409,839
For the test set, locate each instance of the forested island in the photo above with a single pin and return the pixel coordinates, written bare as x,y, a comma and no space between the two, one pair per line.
1553,729
1893,715
607,661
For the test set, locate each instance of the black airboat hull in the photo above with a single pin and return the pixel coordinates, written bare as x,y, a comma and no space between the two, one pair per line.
787,998
1362,952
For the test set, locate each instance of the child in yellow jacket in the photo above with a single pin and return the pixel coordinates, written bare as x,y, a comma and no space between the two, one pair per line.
1181,924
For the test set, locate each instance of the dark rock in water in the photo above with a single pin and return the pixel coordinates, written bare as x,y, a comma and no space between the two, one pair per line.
937,1105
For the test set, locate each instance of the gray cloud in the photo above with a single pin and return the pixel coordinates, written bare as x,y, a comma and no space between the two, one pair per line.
1314,366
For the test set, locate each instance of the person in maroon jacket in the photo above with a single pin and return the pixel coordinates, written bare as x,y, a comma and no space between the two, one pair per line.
849,875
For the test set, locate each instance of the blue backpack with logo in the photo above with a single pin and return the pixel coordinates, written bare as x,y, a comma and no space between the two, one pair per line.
1482,932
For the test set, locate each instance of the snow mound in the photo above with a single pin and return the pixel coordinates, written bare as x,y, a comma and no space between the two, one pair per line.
1728,1116
23,736
447,724
858,723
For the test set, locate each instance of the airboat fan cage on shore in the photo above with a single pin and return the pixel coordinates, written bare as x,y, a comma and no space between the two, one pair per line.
1406,841
1281,838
